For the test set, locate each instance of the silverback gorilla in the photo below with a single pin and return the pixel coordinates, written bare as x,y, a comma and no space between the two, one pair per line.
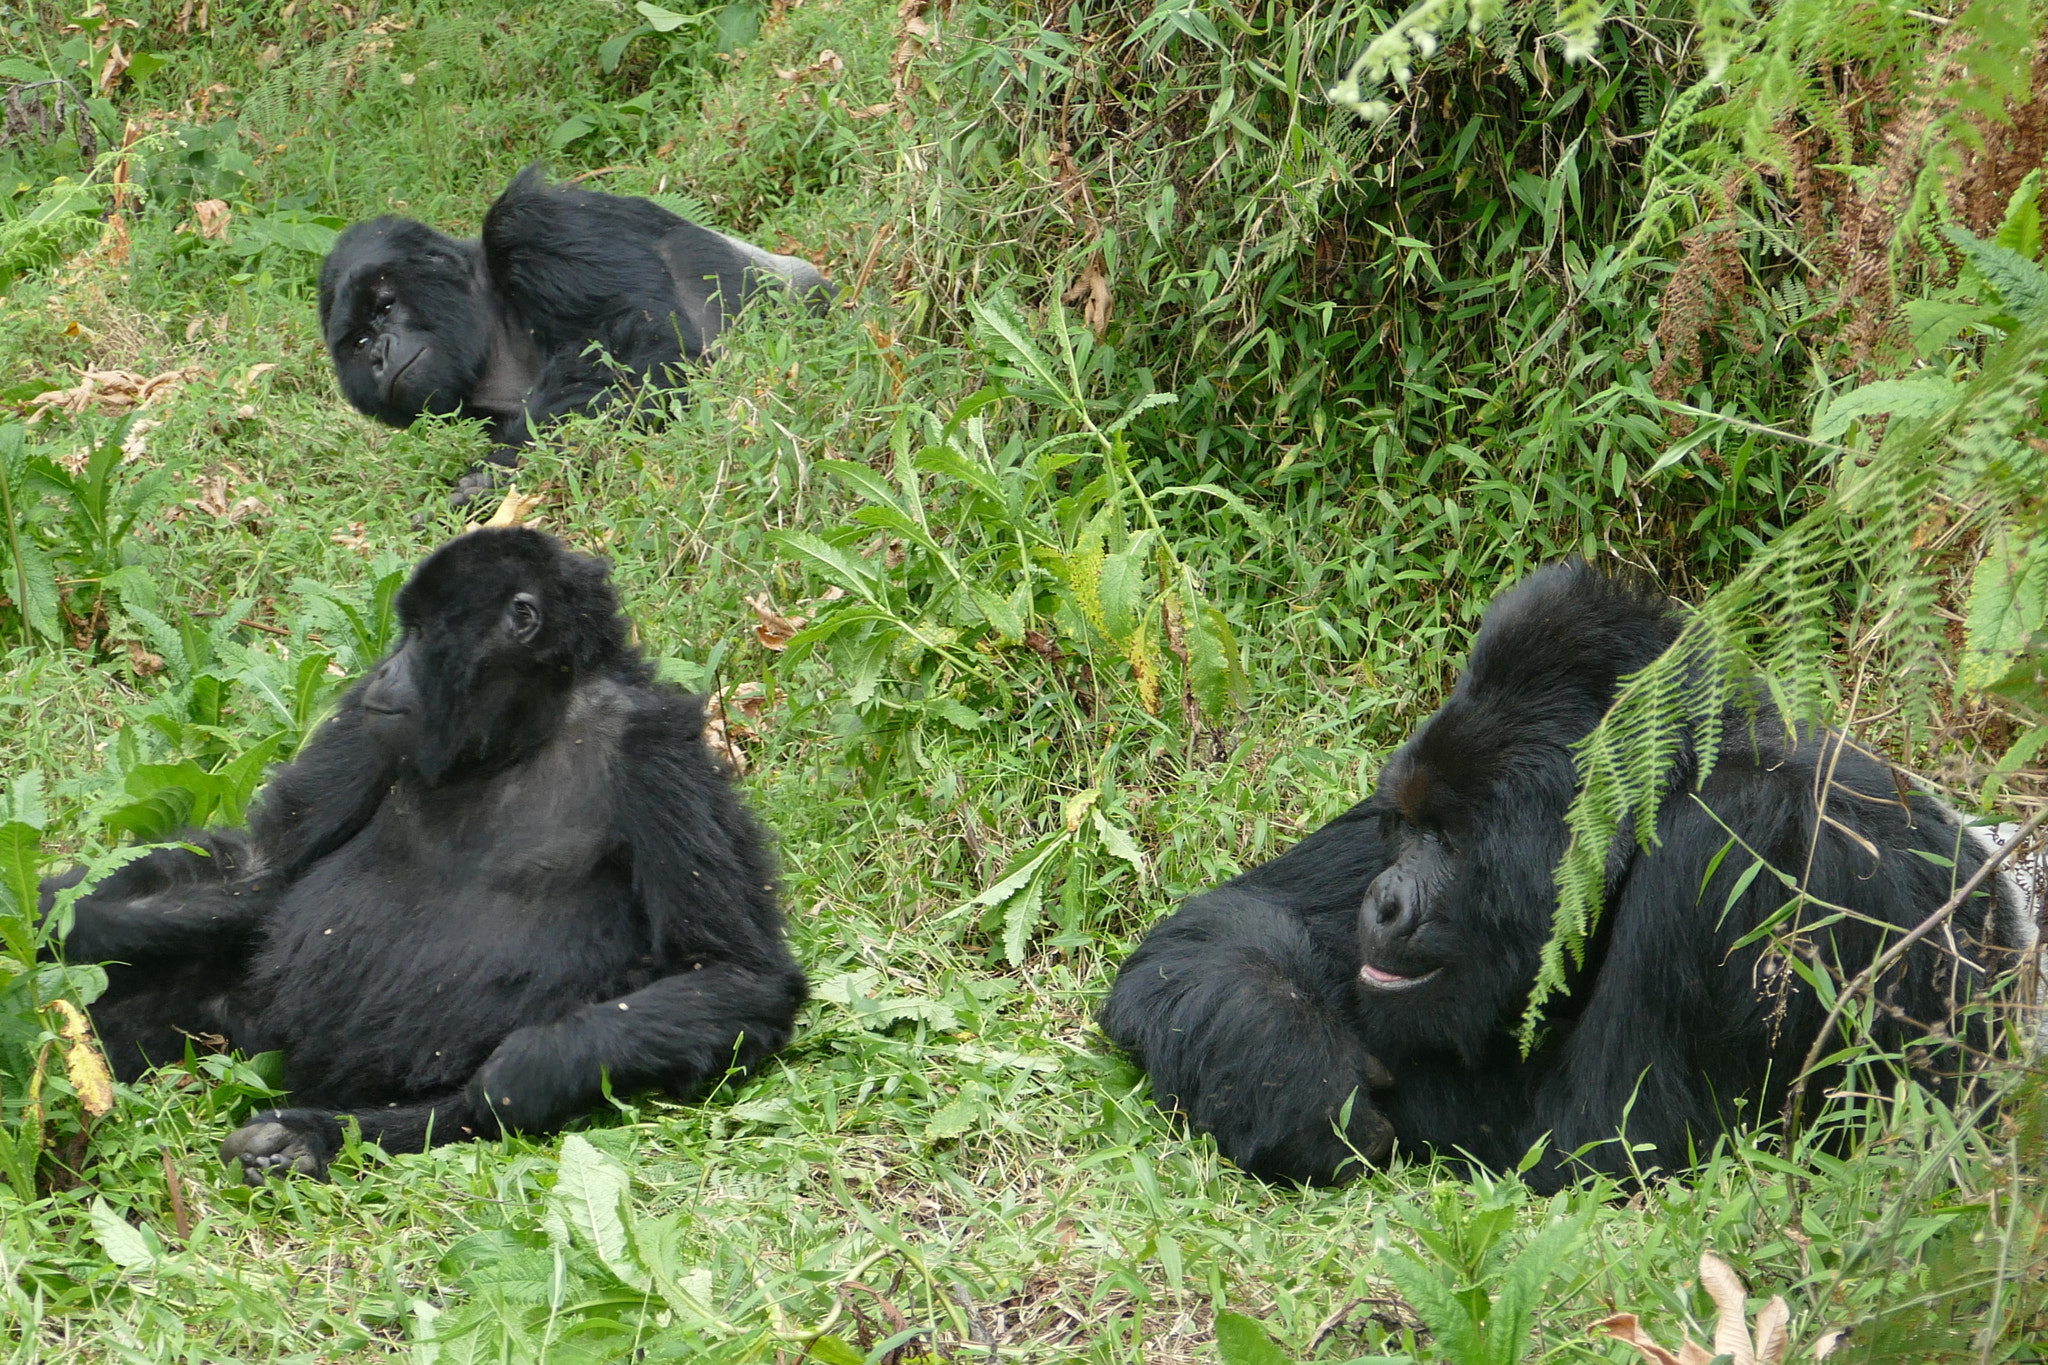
565,290
1385,961
506,869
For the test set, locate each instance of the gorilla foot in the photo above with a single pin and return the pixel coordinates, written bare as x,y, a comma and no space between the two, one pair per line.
281,1142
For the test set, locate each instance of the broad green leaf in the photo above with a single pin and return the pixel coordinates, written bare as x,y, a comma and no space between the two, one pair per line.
1244,510
667,20
1005,332
1118,842
2021,284
1021,919
1243,1341
1002,615
2021,230
1015,880
35,574
959,1116
121,1240
953,465
1934,323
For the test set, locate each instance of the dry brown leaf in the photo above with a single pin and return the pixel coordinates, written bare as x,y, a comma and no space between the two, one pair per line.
248,509
256,372
213,496
1731,1326
83,1064
352,538
828,63
771,627
136,443
214,217
732,716
109,391
515,510
145,664
1091,291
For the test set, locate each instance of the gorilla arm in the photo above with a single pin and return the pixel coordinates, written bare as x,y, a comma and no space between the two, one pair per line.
170,903
1238,1007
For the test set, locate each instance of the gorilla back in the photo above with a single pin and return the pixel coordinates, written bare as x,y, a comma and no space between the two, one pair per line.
1386,960
506,869
503,328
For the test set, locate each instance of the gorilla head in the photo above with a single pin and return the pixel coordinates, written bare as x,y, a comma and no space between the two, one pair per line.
498,626
1469,808
406,317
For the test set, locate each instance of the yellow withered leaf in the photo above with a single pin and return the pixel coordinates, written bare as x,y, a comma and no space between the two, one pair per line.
87,1070
514,509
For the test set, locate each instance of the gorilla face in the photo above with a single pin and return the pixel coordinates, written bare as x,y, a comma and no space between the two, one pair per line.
405,318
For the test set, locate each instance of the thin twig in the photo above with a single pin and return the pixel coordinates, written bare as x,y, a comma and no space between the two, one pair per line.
1886,960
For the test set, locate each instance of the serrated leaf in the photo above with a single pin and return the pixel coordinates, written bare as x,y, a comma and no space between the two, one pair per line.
35,575
2008,607
1934,323
1020,920
861,479
2021,284
957,1117
121,1240
21,847
1118,842
1922,395
955,713
1002,615
849,570
1215,670
1005,332
590,1197
1123,587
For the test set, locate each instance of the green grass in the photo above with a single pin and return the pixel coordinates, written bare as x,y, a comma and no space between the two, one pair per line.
948,1129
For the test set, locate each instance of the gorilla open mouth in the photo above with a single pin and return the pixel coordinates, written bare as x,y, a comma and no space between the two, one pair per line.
1382,980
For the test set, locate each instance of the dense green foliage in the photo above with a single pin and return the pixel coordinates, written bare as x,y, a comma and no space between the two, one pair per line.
1177,426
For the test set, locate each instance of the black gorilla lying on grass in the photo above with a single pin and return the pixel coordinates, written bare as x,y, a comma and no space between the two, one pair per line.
567,296
506,869
1386,960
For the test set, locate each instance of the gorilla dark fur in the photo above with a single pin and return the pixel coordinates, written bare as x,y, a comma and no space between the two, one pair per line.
1389,956
503,328
504,870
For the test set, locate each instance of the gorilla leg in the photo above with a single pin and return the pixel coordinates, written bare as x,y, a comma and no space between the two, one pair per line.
678,1034
1239,1014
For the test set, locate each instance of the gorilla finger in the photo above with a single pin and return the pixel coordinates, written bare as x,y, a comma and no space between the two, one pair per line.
1377,1077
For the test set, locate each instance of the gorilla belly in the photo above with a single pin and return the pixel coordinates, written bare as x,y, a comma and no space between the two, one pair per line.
397,963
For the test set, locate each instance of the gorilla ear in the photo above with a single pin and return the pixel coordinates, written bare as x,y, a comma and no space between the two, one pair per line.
522,617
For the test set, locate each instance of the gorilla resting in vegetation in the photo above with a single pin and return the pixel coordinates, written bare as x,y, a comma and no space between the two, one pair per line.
565,290
506,869
1386,960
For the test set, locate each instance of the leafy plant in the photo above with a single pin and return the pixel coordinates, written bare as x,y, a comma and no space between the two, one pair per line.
1478,1295
67,531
